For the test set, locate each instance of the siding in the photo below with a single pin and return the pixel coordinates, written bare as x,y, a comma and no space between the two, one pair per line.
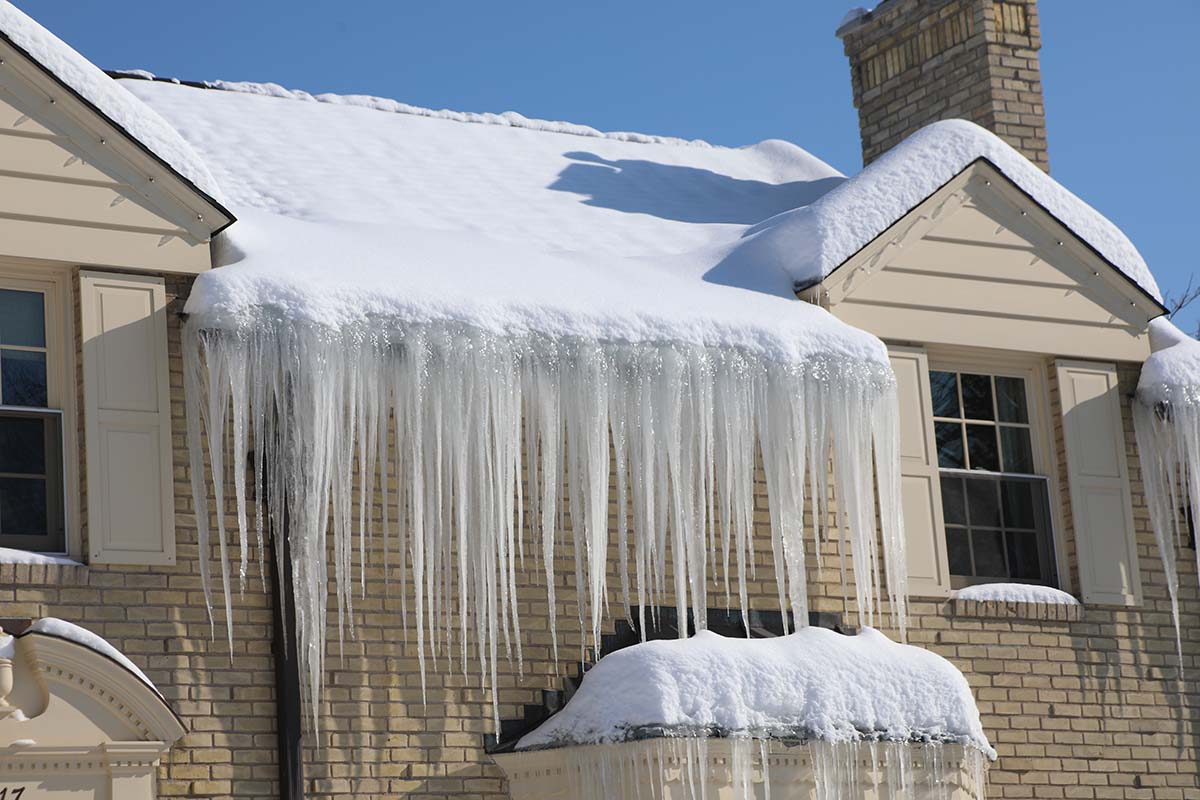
55,205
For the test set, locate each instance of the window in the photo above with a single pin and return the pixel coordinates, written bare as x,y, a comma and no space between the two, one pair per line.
32,513
995,505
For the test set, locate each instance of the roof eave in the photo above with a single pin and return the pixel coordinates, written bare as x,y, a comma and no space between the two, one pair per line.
1163,310
218,217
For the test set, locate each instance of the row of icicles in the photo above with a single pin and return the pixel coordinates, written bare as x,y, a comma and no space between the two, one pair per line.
450,454
693,767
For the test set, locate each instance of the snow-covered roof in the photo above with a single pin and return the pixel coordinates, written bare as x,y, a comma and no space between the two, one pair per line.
349,213
106,96
815,239
812,684
521,224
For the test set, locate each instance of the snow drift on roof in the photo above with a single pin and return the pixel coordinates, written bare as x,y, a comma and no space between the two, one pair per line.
812,684
110,98
814,240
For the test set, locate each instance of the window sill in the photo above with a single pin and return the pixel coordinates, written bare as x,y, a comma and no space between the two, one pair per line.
1004,609
20,567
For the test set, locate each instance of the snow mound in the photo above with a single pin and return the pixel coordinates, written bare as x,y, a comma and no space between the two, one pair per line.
825,233
1015,593
106,95
52,626
812,684
1172,372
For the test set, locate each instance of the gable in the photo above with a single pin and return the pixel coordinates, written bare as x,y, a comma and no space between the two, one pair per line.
980,264
73,188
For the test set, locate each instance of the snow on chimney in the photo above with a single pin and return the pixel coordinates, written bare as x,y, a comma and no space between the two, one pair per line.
913,62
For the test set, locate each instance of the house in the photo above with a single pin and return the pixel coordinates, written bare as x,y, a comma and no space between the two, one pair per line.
338,437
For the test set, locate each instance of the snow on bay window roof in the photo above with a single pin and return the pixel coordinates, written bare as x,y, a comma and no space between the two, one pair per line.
858,709
811,684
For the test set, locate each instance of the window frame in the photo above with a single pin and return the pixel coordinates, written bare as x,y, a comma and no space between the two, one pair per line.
1033,370
54,282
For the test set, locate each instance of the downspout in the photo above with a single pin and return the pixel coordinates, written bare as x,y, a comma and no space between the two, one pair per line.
288,711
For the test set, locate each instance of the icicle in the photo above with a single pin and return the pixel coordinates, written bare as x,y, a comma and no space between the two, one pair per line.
1166,423
695,767
469,412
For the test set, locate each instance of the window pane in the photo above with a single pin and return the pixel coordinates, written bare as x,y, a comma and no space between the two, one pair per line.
983,502
23,507
981,445
1010,400
22,445
959,551
977,396
1018,499
1017,450
1023,556
23,378
22,318
954,507
989,554
950,445
944,391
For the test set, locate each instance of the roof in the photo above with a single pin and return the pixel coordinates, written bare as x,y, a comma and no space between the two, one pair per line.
357,208
814,240
520,224
110,100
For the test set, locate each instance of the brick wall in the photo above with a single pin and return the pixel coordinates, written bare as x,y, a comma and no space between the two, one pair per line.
913,62
1079,705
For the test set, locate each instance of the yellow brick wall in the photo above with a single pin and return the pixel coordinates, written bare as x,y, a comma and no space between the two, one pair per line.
1084,708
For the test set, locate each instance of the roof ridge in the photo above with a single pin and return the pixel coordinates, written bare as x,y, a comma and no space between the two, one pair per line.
510,119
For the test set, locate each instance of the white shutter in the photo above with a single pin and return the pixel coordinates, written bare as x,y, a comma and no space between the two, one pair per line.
127,415
920,484
1101,506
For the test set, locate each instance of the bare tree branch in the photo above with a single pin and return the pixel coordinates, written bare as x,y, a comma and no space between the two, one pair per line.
1177,302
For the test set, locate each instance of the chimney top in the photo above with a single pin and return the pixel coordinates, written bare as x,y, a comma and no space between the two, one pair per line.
913,62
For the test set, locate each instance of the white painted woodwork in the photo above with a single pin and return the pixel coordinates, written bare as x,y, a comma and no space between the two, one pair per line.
920,483
1101,503
77,725
980,265
131,513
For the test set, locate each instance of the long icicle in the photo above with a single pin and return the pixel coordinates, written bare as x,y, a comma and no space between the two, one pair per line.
681,424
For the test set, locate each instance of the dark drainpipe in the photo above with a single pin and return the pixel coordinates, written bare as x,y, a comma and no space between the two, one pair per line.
288,707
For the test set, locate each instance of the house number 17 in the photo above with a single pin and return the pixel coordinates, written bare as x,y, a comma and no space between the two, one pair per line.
16,793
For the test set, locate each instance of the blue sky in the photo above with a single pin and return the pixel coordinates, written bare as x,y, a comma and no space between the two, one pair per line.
1120,87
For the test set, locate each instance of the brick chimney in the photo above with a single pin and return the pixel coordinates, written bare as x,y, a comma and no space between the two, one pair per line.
913,62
